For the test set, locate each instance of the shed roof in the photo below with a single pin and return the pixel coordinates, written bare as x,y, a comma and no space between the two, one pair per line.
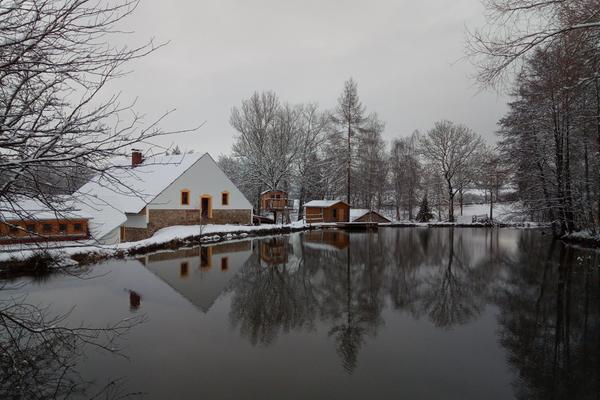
356,213
24,208
324,203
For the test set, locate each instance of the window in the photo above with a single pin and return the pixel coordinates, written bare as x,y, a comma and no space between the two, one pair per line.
31,228
225,198
335,213
62,228
14,229
47,228
185,197
205,257
224,264
77,227
184,269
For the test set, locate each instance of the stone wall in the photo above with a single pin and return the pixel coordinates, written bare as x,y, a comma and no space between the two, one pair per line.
133,234
159,219
242,217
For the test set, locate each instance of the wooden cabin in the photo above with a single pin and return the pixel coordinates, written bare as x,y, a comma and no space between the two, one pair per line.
357,215
27,220
39,230
328,211
273,200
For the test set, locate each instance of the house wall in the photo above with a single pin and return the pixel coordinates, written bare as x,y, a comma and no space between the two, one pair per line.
343,213
22,235
203,178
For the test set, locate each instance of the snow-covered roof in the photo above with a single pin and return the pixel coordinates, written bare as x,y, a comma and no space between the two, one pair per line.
272,190
356,213
323,203
129,190
33,209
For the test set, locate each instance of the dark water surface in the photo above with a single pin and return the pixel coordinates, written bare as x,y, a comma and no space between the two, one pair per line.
403,313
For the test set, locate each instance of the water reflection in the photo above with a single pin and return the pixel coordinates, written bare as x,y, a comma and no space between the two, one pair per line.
200,274
426,313
550,321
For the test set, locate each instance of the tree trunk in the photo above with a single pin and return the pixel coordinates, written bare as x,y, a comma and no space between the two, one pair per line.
491,205
349,166
461,202
450,202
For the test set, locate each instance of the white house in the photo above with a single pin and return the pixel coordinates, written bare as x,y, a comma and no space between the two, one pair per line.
142,196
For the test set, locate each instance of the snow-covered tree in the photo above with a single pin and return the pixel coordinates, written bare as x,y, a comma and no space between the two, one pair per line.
450,148
348,121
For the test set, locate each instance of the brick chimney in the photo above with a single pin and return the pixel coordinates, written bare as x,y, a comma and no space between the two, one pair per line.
136,157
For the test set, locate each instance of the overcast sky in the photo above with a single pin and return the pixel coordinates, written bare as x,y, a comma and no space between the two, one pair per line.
405,56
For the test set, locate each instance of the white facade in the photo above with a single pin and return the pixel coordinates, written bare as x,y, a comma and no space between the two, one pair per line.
203,178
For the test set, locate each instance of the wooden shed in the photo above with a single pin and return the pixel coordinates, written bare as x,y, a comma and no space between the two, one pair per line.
329,211
273,200
34,221
357,215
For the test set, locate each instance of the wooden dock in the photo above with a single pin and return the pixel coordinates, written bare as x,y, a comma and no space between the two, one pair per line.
358,226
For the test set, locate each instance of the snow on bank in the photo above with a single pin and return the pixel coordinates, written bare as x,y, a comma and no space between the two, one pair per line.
585,236
23,252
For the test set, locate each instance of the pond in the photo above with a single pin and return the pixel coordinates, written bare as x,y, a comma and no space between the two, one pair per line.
400,313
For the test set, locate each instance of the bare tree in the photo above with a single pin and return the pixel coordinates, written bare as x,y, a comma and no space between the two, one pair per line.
405,173
310,165
516,28
450,148
56,120
269,140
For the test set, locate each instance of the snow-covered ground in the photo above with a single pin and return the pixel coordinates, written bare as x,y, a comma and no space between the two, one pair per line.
166,235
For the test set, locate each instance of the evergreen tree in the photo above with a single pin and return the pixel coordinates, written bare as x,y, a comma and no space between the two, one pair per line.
349,119
425,214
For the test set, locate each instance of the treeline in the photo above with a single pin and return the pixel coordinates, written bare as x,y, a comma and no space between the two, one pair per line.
550,137
341,154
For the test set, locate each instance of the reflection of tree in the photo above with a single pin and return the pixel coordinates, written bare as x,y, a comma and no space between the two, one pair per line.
454,294
271,298
353,297
40,354
425,272
550,321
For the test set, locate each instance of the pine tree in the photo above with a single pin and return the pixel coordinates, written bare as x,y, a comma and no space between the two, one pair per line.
349,119
425,214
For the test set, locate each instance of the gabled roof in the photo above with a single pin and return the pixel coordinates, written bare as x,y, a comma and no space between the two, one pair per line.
128,190
323,203
356,213
359,213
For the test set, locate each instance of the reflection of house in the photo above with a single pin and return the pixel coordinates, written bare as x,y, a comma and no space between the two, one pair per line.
145,195
327,211
30,220
200,274
326,239
274,250
358,215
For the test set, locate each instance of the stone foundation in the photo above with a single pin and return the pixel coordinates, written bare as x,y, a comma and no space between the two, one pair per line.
159,219
133,234
241,217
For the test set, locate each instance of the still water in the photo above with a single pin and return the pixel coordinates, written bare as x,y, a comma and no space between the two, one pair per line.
403,313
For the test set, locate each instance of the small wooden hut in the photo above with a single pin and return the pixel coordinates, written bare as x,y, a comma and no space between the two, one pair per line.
327,211
276,202
357,215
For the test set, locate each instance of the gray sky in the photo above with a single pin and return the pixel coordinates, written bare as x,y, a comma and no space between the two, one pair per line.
403,54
